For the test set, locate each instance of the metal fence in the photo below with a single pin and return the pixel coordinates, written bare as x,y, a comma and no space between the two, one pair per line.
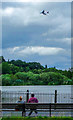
12,97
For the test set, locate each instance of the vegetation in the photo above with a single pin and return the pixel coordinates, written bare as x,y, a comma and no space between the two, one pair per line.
17,72
37,118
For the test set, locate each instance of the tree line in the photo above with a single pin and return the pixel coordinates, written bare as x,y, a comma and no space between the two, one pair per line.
17,72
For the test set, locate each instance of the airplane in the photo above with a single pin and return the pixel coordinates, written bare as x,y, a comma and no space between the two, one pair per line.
44,12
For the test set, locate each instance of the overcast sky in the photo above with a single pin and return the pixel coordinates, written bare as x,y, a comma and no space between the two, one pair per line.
30,36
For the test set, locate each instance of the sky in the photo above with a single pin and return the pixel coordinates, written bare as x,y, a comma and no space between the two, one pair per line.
33,37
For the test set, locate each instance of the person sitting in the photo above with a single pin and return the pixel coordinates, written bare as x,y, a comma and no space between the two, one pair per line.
19,107
32,100
20,100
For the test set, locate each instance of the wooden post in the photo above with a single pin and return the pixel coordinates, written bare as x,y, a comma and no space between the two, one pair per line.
50,110
27,96
55,96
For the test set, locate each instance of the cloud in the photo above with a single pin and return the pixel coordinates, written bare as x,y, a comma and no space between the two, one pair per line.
41,50
37,1
66,40
31,36
8,11
12,50
60,40
21,16
35,50
51,56
30,14
61,28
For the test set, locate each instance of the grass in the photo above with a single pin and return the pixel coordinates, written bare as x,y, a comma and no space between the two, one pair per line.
37,118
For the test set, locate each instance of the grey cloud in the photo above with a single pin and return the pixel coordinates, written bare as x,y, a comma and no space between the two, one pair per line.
60,60
23,16
25,26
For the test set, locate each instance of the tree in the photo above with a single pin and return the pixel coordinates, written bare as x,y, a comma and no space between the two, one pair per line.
35,65
18,82
44,77
22,76
6,80
2,59
14,69
5,68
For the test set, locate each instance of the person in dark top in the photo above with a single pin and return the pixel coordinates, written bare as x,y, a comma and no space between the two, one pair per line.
32,100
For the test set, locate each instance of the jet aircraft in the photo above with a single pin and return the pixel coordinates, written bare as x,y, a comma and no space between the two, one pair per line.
44,12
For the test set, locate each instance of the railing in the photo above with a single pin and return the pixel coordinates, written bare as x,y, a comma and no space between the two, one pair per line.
12,97
50,108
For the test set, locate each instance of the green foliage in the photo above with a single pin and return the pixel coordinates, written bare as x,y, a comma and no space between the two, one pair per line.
29,78
0,80
35,65
5,68
54,78
6,80
18,82
0,68
37,118
21,73
2,59
22,76
14,69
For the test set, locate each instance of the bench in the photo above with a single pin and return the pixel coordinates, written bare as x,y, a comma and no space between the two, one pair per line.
50,107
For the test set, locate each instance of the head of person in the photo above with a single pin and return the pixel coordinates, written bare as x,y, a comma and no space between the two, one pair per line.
32,95
20,97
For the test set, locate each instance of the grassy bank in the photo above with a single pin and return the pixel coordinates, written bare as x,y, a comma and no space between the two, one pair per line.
37,118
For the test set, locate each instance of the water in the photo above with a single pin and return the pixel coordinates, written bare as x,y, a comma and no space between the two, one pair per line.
39,89
45,94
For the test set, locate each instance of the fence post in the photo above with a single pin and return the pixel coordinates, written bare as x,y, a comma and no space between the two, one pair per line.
50,109
55,96
27,95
